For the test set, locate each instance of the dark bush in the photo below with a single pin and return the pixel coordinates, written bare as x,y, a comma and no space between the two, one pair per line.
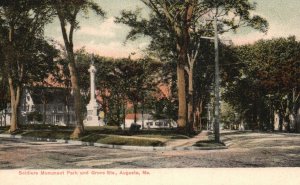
35,116
134,127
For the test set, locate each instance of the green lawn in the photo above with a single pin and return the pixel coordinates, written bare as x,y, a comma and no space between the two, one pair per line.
105,135
123,140
170,133
48,134
117,140
3,129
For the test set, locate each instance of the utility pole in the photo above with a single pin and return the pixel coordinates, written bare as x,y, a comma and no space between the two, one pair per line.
216,118
217,84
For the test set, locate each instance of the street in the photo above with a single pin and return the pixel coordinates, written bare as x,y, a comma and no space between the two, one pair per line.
246,149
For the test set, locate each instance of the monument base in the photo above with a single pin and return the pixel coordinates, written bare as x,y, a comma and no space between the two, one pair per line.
93,121
92,118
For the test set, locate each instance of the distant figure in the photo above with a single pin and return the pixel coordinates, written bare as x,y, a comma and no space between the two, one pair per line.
242,128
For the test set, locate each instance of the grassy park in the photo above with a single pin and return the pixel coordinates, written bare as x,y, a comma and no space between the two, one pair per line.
106,135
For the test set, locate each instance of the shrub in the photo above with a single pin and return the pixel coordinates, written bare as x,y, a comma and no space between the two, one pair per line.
35,116
134,127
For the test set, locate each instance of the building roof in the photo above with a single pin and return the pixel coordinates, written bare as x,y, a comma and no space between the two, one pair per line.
138,116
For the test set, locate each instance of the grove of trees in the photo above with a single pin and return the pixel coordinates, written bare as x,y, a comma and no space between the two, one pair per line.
120,82
176,28
267,81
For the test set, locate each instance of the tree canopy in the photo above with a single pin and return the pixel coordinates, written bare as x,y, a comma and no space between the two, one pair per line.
176,28
268,79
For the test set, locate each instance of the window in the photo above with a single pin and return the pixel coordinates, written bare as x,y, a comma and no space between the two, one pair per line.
158,123
149,123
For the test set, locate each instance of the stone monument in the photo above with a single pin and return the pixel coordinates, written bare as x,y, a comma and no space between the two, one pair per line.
92,118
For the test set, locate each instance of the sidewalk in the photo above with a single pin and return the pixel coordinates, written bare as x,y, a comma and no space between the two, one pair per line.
188,142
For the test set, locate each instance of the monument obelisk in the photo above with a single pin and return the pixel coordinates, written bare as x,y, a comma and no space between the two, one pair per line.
92,116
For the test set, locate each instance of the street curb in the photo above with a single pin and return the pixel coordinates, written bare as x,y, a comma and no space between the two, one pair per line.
227,142
124,147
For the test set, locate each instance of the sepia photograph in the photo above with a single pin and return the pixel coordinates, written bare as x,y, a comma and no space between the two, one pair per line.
150,92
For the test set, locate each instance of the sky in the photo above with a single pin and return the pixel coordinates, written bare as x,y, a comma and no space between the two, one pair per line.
106,38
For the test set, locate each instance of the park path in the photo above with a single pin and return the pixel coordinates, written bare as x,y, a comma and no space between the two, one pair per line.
188,142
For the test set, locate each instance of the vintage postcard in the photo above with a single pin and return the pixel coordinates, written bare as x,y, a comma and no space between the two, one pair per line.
149,92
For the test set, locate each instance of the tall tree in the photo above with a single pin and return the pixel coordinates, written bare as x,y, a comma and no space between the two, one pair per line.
22,25
68,12
177,16
177,22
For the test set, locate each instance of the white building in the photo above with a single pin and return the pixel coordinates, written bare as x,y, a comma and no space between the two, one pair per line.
4,117
146,121
38,105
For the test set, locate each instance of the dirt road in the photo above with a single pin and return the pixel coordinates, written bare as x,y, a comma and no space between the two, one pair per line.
245,150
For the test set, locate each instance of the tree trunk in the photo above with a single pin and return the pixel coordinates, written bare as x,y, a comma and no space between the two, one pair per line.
44,111
77,97
135,112
288,121
143,109
183,38
124,114
118,112
5,117
68,40
200,110
285,114
280,117
190,101
182,46
14,101
13,118
14,88
68,114
181,97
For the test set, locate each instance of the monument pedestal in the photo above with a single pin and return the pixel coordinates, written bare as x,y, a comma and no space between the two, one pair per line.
92,118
